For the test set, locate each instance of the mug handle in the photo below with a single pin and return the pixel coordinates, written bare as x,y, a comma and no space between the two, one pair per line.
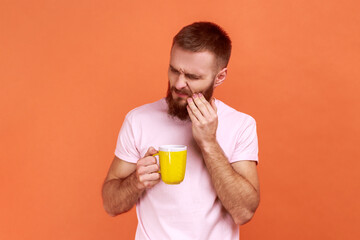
157,154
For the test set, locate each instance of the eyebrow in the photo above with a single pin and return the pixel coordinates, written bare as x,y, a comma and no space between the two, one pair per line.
188,75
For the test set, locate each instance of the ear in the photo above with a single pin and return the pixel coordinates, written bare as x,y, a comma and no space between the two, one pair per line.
220,77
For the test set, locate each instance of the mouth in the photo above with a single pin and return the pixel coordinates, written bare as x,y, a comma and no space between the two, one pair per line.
181,94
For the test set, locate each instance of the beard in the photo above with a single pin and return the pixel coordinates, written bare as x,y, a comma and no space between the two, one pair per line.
178,110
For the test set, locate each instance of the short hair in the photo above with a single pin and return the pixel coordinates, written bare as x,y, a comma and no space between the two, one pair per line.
202,36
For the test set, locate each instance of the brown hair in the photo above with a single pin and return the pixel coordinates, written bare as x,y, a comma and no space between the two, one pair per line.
202,36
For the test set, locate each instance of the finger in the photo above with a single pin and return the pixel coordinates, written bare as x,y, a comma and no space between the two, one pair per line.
148,157
201,104
150,184
151,151
208,105
196,112
191,115
148,169
149,160
149,177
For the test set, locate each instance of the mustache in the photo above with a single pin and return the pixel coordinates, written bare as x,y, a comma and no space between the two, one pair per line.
185,92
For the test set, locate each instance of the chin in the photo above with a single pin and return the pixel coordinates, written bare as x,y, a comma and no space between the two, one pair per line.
177,107
181,101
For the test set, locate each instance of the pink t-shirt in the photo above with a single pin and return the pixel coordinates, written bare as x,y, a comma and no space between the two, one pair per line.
191,209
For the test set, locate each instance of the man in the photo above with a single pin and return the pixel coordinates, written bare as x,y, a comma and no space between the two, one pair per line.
220,190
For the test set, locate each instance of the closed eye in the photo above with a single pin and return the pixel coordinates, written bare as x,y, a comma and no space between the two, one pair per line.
192,77
187,75
173,70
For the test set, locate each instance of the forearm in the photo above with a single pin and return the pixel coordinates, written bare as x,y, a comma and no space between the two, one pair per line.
235,192
120,195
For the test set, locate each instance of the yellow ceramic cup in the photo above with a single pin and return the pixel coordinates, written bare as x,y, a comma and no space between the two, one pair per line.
172,160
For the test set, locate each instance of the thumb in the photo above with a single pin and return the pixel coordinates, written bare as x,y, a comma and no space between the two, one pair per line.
150,152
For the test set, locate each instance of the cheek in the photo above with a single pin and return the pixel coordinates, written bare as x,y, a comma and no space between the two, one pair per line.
171,79
200,86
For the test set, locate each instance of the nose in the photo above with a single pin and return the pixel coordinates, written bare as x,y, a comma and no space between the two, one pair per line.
180,82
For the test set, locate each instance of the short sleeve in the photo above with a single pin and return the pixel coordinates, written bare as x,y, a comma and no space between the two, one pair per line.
126,143
246,147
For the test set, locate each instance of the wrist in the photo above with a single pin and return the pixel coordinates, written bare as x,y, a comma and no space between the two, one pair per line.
207,146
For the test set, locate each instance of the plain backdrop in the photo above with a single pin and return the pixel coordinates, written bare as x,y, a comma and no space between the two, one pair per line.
71,70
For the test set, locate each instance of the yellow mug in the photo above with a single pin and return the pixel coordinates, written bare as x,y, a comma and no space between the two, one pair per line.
172,160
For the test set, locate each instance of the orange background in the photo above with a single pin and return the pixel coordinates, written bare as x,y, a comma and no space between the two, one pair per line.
71,70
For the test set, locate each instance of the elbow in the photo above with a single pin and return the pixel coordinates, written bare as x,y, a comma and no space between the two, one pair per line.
109,210
111,214
244,217
108,204
113,211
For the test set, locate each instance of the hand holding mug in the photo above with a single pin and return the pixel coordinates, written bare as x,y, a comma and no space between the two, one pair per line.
147,170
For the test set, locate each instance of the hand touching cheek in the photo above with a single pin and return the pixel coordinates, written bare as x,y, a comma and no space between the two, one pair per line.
204,119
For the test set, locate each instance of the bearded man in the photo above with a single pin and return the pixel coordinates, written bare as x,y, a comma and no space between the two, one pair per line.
220,190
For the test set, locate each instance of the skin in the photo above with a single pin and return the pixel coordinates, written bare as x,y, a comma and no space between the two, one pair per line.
236,184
